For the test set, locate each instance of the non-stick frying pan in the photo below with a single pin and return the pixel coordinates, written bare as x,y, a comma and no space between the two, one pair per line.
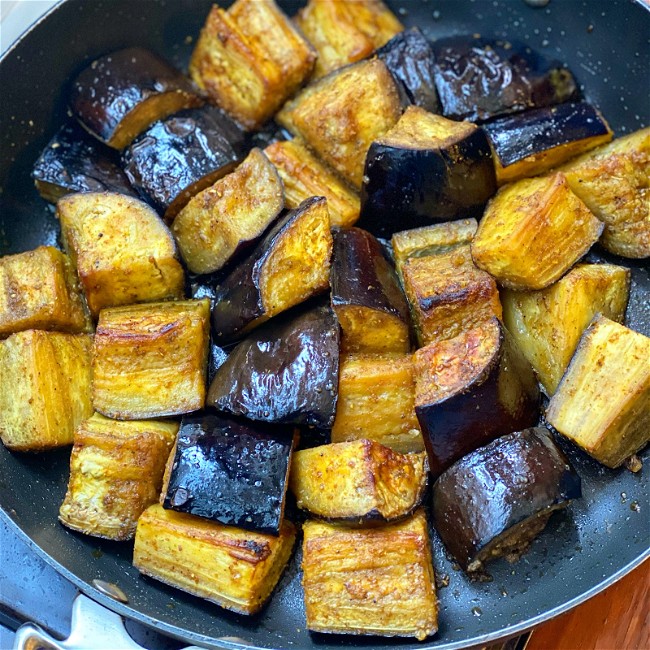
596,541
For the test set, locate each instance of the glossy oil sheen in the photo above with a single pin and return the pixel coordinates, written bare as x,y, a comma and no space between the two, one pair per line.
173,154
103,94
594,541
76,162
480,78
524,134
497,486
286,371
230,471
476,414
361,275
238,298
407,188
410,59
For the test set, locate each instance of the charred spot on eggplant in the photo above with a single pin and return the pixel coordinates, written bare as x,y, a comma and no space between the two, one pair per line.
366,295
425,169
74,161
410,59
234,568
284,372
447,294
288,266
479,78
530,143
431,240
119,95
230,471
494,501
469,390
179,156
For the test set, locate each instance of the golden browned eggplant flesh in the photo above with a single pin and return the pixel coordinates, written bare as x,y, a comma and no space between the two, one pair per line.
355,371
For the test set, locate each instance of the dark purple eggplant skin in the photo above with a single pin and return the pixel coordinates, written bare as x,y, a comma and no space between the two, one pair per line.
74,161
174,154
285,372
480,78
475,415
410,59
113,85
497,486
230,471
238,299
518,136
407,188
361,275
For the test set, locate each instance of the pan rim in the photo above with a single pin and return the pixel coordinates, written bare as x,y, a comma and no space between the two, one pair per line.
188,635
229,644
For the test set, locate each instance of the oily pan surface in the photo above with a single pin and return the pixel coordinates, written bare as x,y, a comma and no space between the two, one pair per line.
584,548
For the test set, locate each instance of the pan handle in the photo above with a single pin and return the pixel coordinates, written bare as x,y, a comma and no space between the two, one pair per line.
93,628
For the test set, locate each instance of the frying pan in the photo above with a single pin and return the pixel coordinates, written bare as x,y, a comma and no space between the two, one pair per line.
583,550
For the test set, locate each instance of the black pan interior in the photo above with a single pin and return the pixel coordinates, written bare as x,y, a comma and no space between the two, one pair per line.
585,548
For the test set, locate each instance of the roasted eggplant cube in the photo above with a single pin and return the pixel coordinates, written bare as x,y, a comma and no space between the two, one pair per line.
44,388
533,232
38,290
177,157
339,116
250,59
75,161
121,249
377,580
530,143
344,32
547,324
119,95
284,372
232,472
425,169
410,59
234,568
497,499
116,472
603,401
479,78
430,240
304,175
233,213
613,181
150,360
366,295
469,390
288,266
448,294
376,401
358,481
